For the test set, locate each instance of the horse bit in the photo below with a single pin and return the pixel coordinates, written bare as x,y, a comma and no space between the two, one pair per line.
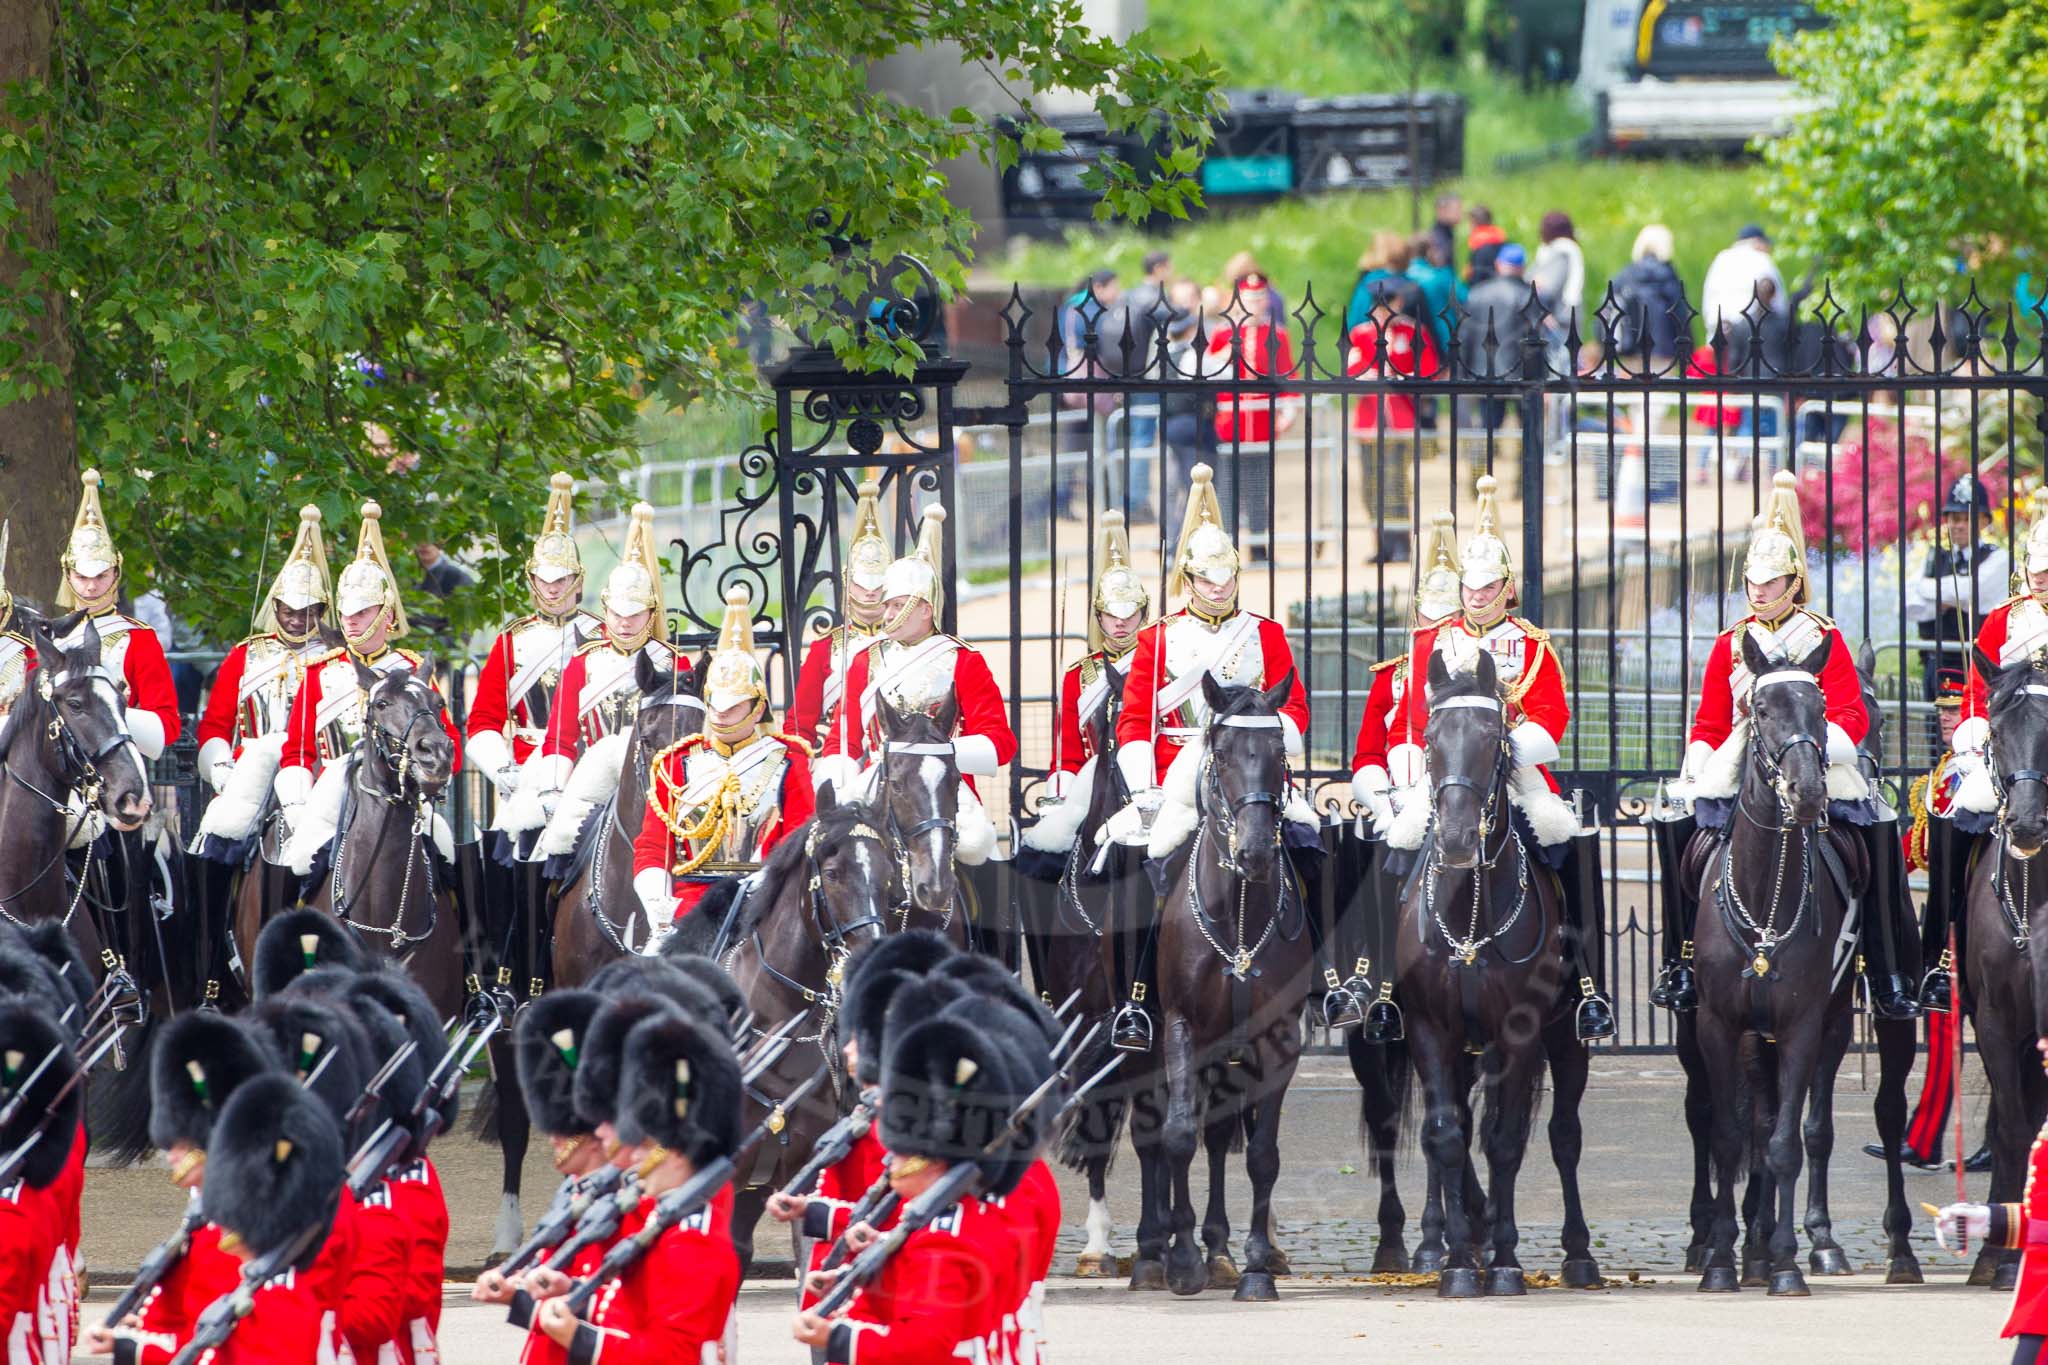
74,757
398,757
1467,949
1772,767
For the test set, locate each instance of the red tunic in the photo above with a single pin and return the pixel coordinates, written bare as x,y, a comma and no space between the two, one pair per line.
675,1306
943,1295
283,1327
1033,1211
145,671
1388,679
416,1195
1266,350
327,1278
29,1236
1991,637
569,730
491,709
982,710
305,741
817,691
1076,740
2018,1226
1717,714
1148,674
842,1186
1411,350
172,1309
1534,693
373,1308
540,1347
790,807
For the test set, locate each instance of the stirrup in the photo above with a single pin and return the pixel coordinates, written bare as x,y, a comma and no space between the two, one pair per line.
1130,1030
1594,1018
1937,988
1341,1009
1383,1021
1359,983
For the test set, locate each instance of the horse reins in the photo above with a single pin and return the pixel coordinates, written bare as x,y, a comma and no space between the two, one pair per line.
1466,949
1771,767
396,756
77,765
1239,963
900,838
2019,917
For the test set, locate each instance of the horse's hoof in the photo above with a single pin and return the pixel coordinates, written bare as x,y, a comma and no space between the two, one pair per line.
1149,1275
1789,1284
1581,1273
1756,1271
2006,1276
1186,1277
1719,1279
1223,1272
1256,1286
1829,1261
1390,1259
1505,1281
1461,1283
1695,1260
1277,1262
1428,1260
1983,1271
1903,1270
1093,1265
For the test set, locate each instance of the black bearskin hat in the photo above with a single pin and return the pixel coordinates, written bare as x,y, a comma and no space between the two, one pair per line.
29,1036
275,1167
312,1035
873,977
402,997
715,981
200,1058
662,977
987,977
602,1056
297,941
948,1089
24,973
385,1035
49,940
680,1087
547,1045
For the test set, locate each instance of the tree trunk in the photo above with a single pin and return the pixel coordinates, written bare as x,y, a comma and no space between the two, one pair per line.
38,436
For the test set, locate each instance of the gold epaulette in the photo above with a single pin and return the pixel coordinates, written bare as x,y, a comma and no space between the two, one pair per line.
1388,663
795,742
1534,632
243,643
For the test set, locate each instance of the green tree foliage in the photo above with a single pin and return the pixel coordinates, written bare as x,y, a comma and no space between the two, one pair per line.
302,244
1927,148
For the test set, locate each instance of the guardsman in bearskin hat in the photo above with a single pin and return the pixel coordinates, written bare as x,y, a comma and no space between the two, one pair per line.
2016,1227
1165,717
720,801
676,1110
1532,683
1966,575
39,1084
327,718
129,649
198,1061
515,692
1775,578
16,653
822,678
584,746
241,735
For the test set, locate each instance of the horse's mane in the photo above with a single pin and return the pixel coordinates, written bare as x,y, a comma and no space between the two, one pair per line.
27,710
2010,682
1240,699
787,862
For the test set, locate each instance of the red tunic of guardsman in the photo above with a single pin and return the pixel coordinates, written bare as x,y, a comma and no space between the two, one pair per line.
916,668
327,719
2014,630
821,680
1163,709
242,731
1436,603
2021,1227
515,691
1116,615
42,1105
129,649
720,801
416,1196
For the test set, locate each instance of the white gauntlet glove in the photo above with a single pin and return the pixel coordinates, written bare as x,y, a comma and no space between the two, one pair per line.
657,898
1970,1220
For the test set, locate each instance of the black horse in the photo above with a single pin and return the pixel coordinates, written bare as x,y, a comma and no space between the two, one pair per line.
1766,950
2004,964
917,799
1482,972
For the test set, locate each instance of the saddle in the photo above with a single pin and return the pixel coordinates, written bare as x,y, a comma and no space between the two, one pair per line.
1851,856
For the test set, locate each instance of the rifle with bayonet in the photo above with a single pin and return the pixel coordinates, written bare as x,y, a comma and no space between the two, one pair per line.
393,1140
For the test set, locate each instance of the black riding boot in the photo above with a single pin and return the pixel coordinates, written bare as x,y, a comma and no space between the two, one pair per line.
1676,988
1885,905
1130,1030
1583,896
1948,879
1341,1009
1383,1021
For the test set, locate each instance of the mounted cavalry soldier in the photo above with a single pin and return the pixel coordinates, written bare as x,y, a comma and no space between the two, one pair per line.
1437,603
129,649
327,716
1964,578
1775,575
242,733
1165,715
585,742
915,667
720,801
822,678
515,692
1532,683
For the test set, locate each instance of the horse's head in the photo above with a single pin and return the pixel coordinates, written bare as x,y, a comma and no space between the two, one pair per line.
670,709
2018,748
1466,742
1788,724
402,721
85,737
920,797
1244,775
851,864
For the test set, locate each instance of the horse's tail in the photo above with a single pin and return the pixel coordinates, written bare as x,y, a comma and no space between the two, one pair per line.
1094,1131
117,1101
1388,1122
483,1113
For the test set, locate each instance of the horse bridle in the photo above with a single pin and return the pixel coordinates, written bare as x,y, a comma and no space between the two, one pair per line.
76,766
1772,766
1484,794
396,755
1210,792
899,839
2003,783
831,932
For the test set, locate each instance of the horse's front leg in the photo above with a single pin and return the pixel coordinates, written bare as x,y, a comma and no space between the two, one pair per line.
1185,1272
1699,1125
1216,1135
1897,1042
1824,1254
1569,1067
1444,1143
1797,1062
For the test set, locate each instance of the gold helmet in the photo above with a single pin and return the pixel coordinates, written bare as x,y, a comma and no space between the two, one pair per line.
6,597
734,673
1436,596
1777,543
867,552
1118,589
90,550
367,580
2036,556
916,575
1484,559
1205,550
635,585
302,582
554,555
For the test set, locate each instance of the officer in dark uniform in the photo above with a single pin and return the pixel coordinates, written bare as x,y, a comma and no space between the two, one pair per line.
1963,577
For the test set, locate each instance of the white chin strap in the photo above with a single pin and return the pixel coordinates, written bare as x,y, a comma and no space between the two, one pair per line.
381,619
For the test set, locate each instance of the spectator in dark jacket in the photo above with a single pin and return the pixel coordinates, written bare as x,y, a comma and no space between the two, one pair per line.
1444,231
1383,278
1484,242
1500,313
1655,321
